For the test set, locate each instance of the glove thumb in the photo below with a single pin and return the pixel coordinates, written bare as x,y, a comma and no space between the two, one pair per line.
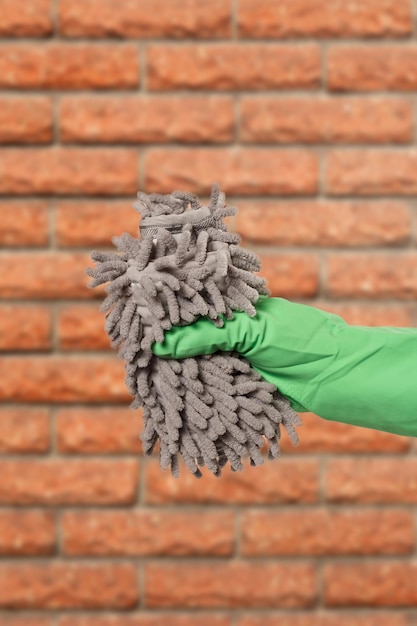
201,337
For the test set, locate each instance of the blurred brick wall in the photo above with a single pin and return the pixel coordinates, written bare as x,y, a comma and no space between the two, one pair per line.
304,112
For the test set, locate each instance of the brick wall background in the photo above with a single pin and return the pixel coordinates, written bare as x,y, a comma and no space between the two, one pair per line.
304,111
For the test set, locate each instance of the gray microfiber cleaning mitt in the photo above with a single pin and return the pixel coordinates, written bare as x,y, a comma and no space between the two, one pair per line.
209,409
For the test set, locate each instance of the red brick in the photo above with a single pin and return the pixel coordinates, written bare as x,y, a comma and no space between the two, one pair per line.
148,533
68,586
152,119
25,328
25,120
325,120
384,583
67,481
69,66
232,65
323,222
371,172
208,618
101,18
319,18
324,618
81,327
385,481
337,437
320,532
23,223
27,532
24,430
101,430
231,584
80,223
372,276
62,379
47,275
29,620
372,68
245,171
25,19
247,487
290,275
68,171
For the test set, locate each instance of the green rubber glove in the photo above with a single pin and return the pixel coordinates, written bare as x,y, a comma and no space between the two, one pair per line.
360,375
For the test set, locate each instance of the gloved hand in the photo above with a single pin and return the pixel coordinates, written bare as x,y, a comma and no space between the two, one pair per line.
360,375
